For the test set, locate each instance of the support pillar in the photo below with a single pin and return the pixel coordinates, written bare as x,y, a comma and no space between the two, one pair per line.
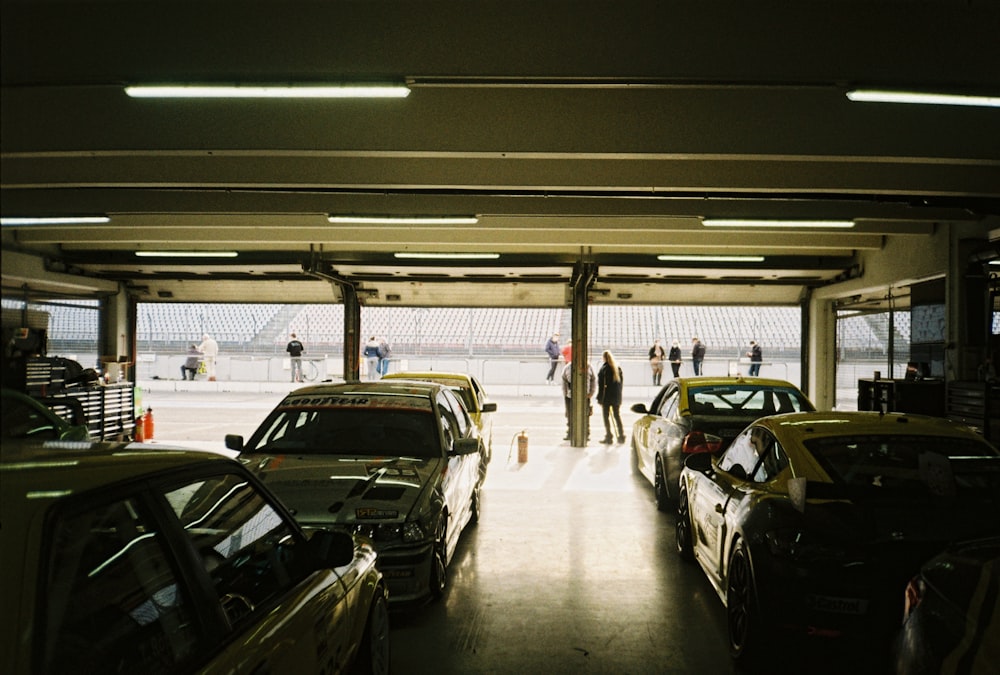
584,275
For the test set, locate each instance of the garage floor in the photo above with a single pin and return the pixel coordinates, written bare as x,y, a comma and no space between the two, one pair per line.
570,569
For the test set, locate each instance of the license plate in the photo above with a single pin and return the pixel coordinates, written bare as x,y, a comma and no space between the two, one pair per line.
834,605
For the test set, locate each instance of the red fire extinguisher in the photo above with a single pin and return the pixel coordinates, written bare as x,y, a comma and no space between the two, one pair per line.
522,447
147,425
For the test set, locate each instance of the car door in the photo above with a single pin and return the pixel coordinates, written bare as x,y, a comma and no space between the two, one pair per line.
667,431
718,494
280,615
464,471
653,438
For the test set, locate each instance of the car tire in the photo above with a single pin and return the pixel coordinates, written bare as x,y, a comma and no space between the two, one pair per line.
634,458
743,618
374,651
663,501
439,563
475,503
683,530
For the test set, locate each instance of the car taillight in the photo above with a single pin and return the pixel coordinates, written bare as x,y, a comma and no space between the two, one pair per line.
699,441
912,597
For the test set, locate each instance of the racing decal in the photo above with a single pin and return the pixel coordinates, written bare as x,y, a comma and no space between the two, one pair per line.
307,402
392,471
373,513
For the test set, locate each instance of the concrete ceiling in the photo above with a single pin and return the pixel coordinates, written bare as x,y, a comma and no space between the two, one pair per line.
579,133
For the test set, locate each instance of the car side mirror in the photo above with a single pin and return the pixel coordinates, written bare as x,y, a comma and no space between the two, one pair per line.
701,462
330,548
234,442
489,407
464,446
639,408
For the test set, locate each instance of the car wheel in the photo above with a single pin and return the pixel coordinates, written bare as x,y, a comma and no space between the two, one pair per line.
475,503
439,563
634,459
373,653
660,487
683,531
742,615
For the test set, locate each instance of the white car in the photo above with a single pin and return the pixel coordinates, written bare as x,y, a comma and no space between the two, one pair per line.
400,462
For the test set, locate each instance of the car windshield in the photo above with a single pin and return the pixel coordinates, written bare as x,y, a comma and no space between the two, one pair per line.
348,431
921,466
745,400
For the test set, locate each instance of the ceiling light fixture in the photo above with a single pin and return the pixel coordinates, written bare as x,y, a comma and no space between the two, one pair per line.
404,220
750,222
268,91
448,256
186,254
712,258
921,98
56,220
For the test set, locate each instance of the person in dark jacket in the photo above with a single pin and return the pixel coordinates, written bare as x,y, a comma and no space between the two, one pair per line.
191,363
756,358
552,349
697,354
609,395
675,358
295,349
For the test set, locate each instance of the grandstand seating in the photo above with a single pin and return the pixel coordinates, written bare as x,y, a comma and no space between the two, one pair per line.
627,330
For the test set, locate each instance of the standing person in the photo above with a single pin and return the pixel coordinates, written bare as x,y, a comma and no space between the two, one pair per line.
372,357
210,351
552,349
610,381
384,352
295,348
657,355
567,388
697,354
756,358
675,358
190,366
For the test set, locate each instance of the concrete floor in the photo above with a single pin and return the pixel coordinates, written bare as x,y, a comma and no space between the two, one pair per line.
570,569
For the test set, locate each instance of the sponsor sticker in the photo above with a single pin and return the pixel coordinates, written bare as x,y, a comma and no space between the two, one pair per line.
372,513
835,605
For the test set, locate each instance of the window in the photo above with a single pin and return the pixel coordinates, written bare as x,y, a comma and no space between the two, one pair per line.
757,454
668,408
245,545
114,601
457,414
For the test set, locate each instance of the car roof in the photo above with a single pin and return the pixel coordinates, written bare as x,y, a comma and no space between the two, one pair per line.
429,375
388,388
710,381
801,427
79,466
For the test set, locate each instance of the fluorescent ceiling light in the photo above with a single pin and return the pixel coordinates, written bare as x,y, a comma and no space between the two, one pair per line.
711,258
186,254
882,96
749,222
267,91
56,220
405,220
449,256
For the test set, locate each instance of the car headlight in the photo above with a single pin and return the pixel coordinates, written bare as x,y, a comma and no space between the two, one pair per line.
412,532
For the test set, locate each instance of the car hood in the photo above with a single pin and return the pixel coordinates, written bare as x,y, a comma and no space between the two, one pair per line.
348,490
